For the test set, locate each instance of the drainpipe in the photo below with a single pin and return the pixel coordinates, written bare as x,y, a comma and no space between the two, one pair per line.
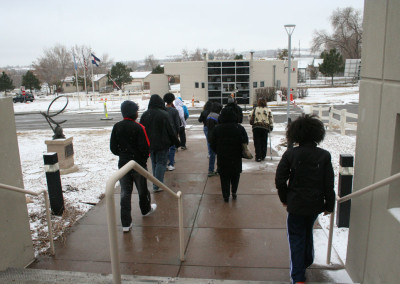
273,75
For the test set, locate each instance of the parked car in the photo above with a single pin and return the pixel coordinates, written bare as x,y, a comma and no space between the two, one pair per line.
21,98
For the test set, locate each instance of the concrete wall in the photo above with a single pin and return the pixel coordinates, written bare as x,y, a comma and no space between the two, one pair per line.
373,254
263,70
158,84
190,72
16,248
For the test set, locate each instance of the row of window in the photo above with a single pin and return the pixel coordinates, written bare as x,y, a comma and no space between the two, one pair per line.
196,85
255,85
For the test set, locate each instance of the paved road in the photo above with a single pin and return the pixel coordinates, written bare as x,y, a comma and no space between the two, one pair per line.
35,121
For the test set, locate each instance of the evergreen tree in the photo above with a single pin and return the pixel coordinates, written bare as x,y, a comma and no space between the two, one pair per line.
332,64
30,81
120,74
5,82
238,57
158,70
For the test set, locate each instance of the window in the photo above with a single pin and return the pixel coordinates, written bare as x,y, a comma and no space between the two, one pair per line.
196,84
262,84
254,84
202,85
146,85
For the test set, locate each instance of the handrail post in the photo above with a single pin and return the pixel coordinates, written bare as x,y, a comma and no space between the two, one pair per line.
328,255
181,233
47,203
112,232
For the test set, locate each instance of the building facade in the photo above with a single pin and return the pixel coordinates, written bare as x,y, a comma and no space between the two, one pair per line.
216,80
373,252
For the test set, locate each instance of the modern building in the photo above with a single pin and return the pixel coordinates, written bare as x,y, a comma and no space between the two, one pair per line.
373,251
217,79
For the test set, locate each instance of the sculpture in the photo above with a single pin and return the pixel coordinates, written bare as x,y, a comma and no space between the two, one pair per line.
58,131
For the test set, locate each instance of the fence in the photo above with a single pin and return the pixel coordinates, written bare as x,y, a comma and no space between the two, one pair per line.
331,121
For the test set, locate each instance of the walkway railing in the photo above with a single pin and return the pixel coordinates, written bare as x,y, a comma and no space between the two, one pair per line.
111,216
46,201
362,191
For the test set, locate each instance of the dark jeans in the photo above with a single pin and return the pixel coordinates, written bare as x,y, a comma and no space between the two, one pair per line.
182,136
171,155
260,137
159,164
126,183
300,236
226,181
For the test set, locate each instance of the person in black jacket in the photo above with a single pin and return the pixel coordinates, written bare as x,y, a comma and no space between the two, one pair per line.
129,141
305,181
202,118
236,108
161,135
211,122
226,140
169,99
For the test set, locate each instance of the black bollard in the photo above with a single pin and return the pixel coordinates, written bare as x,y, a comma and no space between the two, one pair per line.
345,187
54,183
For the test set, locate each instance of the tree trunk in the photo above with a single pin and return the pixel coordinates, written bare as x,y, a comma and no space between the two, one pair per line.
332,80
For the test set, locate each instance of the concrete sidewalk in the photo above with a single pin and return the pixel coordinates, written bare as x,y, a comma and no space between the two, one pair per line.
240,240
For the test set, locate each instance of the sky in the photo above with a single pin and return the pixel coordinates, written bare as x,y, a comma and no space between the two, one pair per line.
131,30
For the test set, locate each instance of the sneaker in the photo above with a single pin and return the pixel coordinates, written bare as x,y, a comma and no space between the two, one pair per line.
127,229
171,168
153,208
183,148
211,174
157,190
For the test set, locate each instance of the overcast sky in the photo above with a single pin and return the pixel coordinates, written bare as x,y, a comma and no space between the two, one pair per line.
132,30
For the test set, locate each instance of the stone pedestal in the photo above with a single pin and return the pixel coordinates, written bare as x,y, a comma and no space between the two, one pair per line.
65,152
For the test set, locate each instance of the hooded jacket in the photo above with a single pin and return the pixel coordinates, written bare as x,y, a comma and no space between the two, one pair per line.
226,141
179,107
158,125
129,138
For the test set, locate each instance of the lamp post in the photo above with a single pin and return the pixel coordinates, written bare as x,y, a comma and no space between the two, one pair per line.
289,29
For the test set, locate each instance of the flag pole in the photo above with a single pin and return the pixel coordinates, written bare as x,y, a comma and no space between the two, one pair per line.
76,80
92,80
84,75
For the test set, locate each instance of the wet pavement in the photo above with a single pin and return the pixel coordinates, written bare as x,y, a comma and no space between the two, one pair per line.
244,239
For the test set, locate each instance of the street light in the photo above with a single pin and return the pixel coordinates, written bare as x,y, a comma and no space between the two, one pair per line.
289,29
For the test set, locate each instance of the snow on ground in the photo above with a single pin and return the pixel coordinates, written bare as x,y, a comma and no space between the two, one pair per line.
85,188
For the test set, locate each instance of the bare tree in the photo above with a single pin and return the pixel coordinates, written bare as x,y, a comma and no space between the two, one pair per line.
150,62
133,65
347,35
54,65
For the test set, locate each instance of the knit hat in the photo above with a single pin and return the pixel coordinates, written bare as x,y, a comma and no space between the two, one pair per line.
129,109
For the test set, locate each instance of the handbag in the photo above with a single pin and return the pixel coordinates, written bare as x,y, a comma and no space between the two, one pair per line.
252,117
246,152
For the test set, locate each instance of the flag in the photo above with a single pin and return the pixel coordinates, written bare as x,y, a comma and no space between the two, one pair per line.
76,66
95,60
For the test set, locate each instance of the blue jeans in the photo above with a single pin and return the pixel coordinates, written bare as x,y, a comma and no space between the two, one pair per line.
126,183
171,155
301,244
159,163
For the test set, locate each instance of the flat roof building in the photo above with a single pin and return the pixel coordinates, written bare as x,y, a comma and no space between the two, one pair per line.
217,79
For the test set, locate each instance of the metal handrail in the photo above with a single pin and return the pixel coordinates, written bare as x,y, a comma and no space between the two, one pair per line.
46,201
360,192
111,216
